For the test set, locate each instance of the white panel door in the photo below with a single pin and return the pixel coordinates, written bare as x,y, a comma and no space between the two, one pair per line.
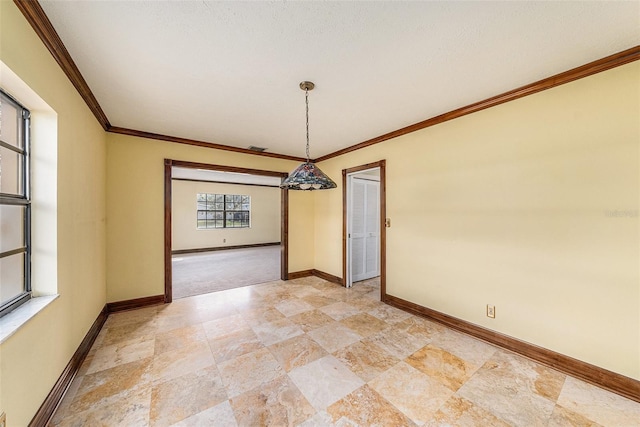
372,230
364,231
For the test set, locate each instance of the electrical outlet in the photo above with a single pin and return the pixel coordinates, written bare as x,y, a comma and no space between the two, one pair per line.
224,240
491,311
3,420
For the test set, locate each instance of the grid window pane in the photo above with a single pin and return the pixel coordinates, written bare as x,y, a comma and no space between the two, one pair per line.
11,277
11,127
14,218
12,227
223,210
11,172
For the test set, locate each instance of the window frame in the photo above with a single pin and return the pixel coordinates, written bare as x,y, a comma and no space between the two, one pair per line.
224,212
23,199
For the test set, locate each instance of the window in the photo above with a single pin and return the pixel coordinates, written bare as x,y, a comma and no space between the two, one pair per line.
223,210
15,205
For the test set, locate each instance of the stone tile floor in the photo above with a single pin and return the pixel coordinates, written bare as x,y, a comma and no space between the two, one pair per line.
310,353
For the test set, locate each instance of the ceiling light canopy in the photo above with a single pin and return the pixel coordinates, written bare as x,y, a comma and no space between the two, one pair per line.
307,176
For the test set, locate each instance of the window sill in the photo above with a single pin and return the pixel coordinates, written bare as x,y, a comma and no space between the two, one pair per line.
13,321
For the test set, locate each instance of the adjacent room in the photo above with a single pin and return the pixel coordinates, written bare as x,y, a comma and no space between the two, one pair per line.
225,230
319,213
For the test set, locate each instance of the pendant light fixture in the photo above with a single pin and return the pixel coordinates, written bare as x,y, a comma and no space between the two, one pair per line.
307,176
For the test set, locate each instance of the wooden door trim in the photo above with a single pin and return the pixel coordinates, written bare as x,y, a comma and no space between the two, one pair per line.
168,276
284,233
381,164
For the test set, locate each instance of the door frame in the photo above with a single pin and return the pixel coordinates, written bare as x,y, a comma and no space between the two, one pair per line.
381,164
284,216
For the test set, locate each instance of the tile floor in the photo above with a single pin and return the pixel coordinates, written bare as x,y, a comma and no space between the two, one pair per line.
310,353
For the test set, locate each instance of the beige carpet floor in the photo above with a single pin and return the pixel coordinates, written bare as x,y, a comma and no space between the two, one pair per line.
201,273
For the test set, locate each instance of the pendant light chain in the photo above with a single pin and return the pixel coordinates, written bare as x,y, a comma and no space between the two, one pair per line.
306,99
307,176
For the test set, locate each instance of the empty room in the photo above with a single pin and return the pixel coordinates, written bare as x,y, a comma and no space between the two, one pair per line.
319,213
225,230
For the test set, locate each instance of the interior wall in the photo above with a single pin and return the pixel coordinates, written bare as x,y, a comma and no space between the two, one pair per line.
135,238
301,230
531,206
264,217
34,357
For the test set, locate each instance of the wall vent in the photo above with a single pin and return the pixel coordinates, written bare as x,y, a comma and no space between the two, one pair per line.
258,149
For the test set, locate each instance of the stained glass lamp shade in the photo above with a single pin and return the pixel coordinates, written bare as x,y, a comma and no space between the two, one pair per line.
307,176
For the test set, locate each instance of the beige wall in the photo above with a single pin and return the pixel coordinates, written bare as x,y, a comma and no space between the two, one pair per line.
265,216
301,230
33,359
135,238
531,206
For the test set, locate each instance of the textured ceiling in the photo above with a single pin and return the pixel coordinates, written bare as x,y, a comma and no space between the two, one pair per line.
228,72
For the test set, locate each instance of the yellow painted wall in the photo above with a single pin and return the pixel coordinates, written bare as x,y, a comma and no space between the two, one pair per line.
531,206
265,216
301,230
135,208
33,359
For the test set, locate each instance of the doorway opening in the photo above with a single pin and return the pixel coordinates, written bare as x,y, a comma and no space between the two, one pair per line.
224,228
363,225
